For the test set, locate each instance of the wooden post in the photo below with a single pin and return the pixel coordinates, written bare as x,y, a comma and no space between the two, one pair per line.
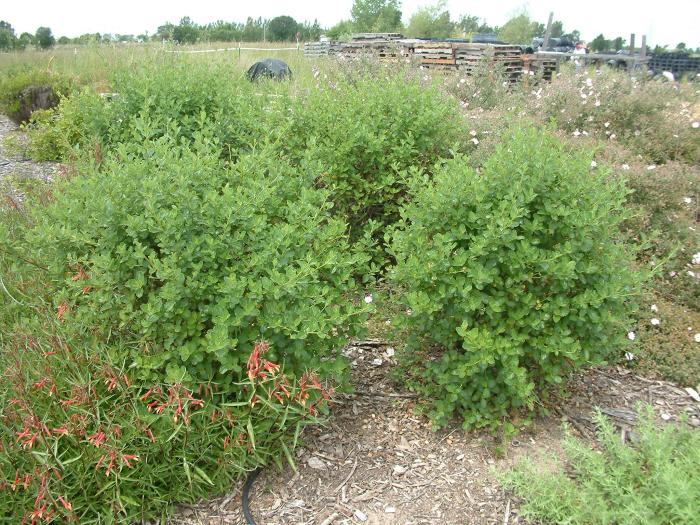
548,32
631,63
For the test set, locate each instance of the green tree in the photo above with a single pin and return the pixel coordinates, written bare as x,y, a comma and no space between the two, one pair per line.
24,40
282,29
7,36
43,38
253,30
340,30
680,46
64,40
520,30
376,15
557,29
186,32
600,43
431,21
618,43
164,32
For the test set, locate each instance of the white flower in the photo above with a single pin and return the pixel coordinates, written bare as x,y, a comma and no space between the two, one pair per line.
597,103
654,308
651,167
665,416
691,273
625,167
368,298
594,164
696,258
475,141
696,124
697,338
584,96
473,133
462,80
585,132
629,356
655,321
631,336
672,274
607,124
589,82
576,133
613,136
688,200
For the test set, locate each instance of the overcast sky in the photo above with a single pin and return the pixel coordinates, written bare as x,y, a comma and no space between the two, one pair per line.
665,23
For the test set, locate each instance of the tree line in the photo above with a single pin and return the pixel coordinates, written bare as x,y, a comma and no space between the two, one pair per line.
380,16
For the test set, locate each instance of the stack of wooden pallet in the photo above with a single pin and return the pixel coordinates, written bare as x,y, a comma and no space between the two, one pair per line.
381,48
508,59
435,55
540,66
317,49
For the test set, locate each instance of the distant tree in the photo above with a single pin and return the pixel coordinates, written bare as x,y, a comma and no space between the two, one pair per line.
680,46
467,24
143,37
164,32
376,15
618,43
340,30
24,40
520,30
64,40
431,21
221,31
574,36
43,38
186,32
600,43
557,29
253,30
660,49
282,29
8,40
310,31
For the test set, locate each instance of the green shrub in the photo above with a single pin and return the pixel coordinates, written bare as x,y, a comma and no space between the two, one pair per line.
366,134
15,79
201,260
653,480
511,276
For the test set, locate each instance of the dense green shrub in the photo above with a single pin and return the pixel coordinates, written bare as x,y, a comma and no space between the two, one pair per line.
366,133
512,275
652,480
201,260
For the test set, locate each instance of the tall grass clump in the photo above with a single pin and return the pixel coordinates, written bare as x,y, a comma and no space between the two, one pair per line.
510,277
651,480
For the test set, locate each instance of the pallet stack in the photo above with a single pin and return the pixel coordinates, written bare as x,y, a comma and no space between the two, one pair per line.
471,57
540,67
382,45
318,49
435,55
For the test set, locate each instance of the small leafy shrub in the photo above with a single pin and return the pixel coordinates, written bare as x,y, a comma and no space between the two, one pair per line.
510,277
486,87
201,260
16,79
366,134
180,98
652,480
62,132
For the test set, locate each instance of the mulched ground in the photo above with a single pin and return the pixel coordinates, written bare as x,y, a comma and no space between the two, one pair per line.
377,462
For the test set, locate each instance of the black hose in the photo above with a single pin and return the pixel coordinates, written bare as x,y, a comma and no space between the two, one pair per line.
246,489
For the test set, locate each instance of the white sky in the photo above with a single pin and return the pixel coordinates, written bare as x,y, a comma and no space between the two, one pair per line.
664,23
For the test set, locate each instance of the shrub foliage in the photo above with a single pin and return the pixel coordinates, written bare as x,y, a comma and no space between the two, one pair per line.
512,275
202,260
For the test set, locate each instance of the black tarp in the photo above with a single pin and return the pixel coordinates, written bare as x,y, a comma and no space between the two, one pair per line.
269,68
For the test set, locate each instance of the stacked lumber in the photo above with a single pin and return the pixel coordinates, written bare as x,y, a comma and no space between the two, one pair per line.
317,49
435,55
361,37
381,48
540,66
470,57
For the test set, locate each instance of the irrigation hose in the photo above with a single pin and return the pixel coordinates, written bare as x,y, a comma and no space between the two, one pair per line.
245,499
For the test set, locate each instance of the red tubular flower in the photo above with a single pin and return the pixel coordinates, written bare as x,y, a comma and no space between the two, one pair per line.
126,458
226,441
66,504
97,439
254,360
269,366
62,309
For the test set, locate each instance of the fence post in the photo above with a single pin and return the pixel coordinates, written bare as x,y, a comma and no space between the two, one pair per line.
643,53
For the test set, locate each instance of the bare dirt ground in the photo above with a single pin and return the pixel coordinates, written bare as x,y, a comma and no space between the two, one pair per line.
14,163
377,462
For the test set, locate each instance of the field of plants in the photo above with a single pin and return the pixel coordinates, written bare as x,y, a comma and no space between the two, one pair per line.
387,286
